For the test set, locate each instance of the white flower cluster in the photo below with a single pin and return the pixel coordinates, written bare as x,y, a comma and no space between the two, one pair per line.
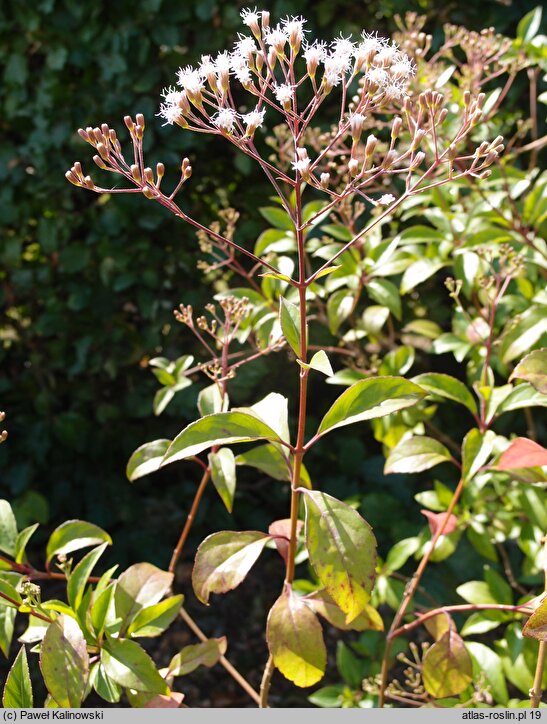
385,69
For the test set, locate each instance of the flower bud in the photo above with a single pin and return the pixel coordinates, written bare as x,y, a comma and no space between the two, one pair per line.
324,179
418,159
136,173
442,115
148,192
160,170
370,146
149,176
353,167
418,138
70,176
140,120
396,127
265,18
129,123
83,134
100,163
356,122
88,183
103,151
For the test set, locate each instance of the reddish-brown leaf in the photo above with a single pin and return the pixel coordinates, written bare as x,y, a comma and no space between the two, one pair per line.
523,453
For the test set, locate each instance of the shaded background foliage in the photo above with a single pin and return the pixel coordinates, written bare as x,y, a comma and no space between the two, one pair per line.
88,284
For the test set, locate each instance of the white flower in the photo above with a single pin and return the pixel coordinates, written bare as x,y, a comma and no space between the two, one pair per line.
302,165
253,120
372,42
170,112
284,93
387,55
245,46
386,200
336,67
190,79
294,29
250,17
207,66
223,62
171,96
241,70
225,119
394,91
315,53
377,76
343,47
403,68
356,121
276,38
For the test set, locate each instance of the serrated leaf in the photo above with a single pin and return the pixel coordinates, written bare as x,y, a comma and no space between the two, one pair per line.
536,626
153,620
139,586
447,669
416,454
18,687
289,318
78,578
533,369
8,529
190,658
450,388
146,459
369,399
295,640
368,620
218,429
342,551
223,474
64,662
476,449
74,535
129,665
224,559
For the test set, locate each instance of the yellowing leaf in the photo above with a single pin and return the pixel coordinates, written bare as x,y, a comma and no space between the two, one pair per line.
224,559
536,626
296,641
447,666
342,551
64,662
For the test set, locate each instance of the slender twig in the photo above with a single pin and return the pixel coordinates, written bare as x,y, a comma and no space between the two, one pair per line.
537,690
190,519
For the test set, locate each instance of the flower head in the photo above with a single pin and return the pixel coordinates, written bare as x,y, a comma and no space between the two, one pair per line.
386,200
190,79
276,38
284,93
294,30
225,119
253,120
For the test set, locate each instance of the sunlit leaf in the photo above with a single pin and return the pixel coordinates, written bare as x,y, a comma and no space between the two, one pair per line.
206,653
476,449
8,529
368,620
140,585
64,662
79,576
153,620
146,459
522,453
319,362
289,318
129,665
295,640
224,559
18,687
447,667
533,369
223,474
536,626
450,388
415,454
342,551
371,398
74,535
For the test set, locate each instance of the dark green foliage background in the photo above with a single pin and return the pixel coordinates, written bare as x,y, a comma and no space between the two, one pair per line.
86,287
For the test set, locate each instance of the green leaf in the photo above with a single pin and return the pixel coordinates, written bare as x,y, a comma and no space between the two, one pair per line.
536,626
8,590
64,662
416,454
104,686
190,658
224,559
385,293
533,369
289,318
79,576
153,620
339,307
21,542
524,395
267,458
400,553
489,663
328,697
210,400
7,625
8,529
275,240
295,640
221,428
223,473
529,25
140,585
18,688
349,666
100,608
476,449
450,388
277,217
477,592
319,362
371,398
368,620
162,398
273,410
146,459
74,535
327,270
129,665
447,667
342,551
483,621
418,272
522,333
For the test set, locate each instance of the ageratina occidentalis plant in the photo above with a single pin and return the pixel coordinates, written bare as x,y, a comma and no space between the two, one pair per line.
379,147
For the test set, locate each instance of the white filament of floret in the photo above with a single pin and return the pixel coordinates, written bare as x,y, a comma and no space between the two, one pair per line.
387,55
316,52
284,93
250,17
336,66
394,91
223,62
378,76
241,70
372,41
207,66
254,119
245,45
171,96
276,38
403,68
190,79
294,28
386,200
225,119
301,164
170,112
343,47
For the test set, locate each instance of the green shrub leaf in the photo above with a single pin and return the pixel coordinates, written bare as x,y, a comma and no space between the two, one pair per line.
146,459
8,529
18,687
289,318
74,535
153,620
368,620
64,662
536,626
416,454
206,653
342,551
129,665
533,369
447,666
139,586
224,559
223,473
476,449
295,640
369,399
448,387
79,576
